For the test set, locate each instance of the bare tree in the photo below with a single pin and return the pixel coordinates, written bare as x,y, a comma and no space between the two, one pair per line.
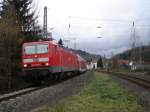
149,38
9,41
114,63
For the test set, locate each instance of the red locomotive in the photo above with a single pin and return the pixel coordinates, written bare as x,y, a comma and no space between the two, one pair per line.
45,59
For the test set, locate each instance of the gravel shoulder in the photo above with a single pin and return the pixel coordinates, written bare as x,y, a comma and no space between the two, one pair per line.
71,87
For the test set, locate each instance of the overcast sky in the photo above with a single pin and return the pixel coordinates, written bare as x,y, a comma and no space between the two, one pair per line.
114,16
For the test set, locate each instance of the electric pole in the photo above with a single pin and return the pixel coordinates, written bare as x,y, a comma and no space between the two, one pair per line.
133,40
45,23
75,46
67,42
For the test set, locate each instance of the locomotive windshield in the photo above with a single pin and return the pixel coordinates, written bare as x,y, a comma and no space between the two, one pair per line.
36,49
42,48
29,50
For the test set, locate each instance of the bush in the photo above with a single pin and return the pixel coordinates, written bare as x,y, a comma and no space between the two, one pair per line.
148,72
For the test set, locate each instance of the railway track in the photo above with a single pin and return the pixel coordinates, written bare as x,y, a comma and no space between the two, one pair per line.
137,80
8,96
12,95
31,98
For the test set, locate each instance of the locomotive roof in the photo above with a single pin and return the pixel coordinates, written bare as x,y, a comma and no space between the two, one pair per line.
52,42
40,42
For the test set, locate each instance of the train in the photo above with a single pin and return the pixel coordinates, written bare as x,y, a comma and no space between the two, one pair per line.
46,59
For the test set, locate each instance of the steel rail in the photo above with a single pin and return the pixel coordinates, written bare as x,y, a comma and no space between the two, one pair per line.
137,80
9,96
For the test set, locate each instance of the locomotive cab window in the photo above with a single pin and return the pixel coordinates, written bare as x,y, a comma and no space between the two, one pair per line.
42,49
29,50
36,49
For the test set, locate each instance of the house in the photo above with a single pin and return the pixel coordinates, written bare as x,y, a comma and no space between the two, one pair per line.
92,65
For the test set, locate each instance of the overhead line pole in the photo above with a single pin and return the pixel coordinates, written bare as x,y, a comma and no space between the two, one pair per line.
133,41
45,23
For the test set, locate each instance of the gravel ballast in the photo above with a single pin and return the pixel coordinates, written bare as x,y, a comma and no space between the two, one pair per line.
30,101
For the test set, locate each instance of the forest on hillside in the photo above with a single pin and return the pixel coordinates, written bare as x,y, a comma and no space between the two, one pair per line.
136,54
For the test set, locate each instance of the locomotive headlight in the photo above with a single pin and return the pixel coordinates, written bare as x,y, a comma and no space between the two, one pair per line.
46,64
25,65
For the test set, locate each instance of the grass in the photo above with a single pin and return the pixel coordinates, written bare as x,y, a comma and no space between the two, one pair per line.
127,71
100,95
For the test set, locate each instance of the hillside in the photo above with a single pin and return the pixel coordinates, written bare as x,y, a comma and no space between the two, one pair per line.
87,56
144,51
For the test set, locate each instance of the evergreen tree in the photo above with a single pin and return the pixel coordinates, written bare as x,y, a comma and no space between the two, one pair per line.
100,62
60,42
25,16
